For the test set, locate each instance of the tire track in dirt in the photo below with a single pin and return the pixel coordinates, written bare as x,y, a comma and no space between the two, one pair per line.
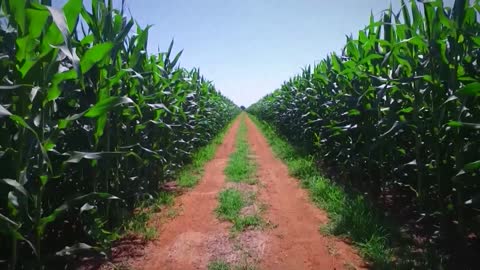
294,242
195,236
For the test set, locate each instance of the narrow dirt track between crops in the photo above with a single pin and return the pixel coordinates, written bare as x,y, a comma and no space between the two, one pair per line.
292,241
295,241
195,235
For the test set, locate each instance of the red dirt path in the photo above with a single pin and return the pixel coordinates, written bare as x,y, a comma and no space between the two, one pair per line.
196,237
295,242
186,241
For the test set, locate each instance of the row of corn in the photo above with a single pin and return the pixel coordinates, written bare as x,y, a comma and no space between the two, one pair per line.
90,124
397,112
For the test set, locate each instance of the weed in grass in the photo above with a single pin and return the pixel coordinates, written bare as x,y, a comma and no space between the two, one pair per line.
161,200
301,168
119,266
245,266
172,212
242,223
372,249
149,233
138,225
188,178
230,204
218,265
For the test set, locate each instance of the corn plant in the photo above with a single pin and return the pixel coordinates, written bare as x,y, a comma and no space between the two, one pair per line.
397,109
90,124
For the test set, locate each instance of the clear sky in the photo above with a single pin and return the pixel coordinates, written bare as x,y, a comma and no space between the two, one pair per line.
248,48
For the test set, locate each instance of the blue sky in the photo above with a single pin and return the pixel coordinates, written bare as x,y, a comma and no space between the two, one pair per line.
248,48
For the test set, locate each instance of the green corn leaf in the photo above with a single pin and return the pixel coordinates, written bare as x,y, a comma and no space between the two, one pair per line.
102,107
16,185
472,89
19,121
459,9
54,91
353,112
60,21
13,200
100,127
75,249
140,45
13,87
158,106
95,55
4,112
395,126
458,124
37,19
8,221
472,166
71,10
76,156
17,9
175,60
406,110
80,200
20,237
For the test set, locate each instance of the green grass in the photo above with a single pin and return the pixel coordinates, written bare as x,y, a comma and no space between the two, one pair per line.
138,223
218,265
241,168
350,216
231,203
221,265
242,223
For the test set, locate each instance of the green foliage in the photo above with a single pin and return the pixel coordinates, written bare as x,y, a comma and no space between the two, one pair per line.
231,203
240,167
397,111
242,223
137,224
90,124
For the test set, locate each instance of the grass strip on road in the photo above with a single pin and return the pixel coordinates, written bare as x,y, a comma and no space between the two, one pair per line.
241,168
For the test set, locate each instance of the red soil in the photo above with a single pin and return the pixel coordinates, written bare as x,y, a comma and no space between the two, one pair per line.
195,237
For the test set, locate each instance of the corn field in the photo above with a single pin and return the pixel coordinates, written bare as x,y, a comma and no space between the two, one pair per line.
397,111
90,124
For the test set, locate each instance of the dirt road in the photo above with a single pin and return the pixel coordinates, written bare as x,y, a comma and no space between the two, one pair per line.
295,243
196,237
